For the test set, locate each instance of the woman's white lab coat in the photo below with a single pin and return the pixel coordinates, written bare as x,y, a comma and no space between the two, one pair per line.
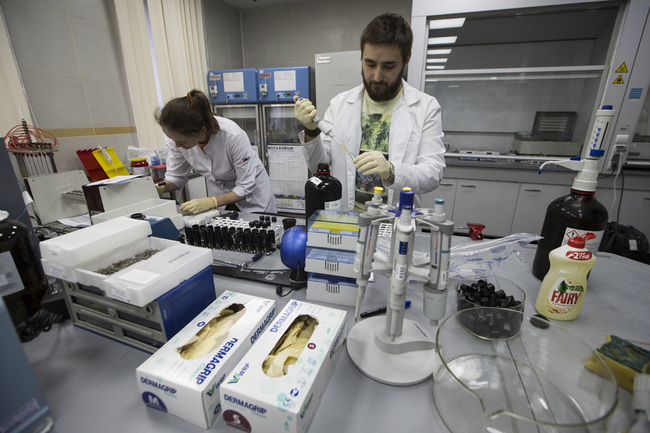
415,143
228,163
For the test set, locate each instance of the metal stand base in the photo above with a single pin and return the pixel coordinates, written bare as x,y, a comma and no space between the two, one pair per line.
408,360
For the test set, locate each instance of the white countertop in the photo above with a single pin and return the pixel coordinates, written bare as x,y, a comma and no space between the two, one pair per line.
89,381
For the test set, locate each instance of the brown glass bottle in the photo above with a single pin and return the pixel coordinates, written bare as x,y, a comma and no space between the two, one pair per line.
25,283
578,210
322,191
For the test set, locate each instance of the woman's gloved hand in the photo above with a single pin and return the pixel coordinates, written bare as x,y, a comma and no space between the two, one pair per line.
160,188
305,112
199,205
373,162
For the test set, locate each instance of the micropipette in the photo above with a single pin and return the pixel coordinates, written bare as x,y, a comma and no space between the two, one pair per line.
403,238
366,245
327,130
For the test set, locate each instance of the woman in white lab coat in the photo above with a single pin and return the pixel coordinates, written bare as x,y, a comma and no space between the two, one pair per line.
219,150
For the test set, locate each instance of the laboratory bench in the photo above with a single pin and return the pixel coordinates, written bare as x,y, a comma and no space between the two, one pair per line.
90,384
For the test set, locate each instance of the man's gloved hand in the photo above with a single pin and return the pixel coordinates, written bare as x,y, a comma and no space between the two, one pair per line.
160,188
373,162
199,205
305,111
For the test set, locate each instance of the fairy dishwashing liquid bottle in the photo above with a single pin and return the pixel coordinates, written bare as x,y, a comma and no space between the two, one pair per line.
563,290
575,214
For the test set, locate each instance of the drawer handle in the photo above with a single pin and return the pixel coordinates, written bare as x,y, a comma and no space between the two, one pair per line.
468,186
532,190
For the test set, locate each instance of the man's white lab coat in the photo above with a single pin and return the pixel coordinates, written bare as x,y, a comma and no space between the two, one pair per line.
415,143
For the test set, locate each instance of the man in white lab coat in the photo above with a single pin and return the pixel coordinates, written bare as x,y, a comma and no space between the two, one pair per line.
393,130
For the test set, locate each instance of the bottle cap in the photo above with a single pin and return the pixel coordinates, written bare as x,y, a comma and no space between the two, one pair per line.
577,242
323,167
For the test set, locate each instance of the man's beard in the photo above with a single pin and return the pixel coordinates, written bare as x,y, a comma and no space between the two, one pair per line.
383,91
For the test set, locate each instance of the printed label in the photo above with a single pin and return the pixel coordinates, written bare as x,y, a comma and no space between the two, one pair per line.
579,255
565,296
10,281
316,181
333,205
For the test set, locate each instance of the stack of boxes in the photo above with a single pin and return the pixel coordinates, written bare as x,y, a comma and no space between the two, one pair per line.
331,245
241,359
144,301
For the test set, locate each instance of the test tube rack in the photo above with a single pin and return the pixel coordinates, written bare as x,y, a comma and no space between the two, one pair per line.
261,235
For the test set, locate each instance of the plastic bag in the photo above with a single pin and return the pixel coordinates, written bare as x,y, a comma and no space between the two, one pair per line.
476,259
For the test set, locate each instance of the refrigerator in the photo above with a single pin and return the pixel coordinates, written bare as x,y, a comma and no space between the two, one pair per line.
283,153
233,95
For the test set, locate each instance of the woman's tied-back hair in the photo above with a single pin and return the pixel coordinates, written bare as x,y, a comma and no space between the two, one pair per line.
389,28
188,114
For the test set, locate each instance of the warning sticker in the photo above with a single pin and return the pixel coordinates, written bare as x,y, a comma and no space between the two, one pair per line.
622,69
619,80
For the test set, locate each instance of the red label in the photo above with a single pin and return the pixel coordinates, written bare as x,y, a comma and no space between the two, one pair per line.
578,255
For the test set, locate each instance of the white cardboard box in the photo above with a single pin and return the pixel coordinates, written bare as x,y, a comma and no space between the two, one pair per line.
92,242
143,281
188,388
255,402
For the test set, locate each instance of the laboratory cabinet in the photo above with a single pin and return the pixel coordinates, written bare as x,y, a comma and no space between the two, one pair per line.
485,202
532,201
519,204
522,79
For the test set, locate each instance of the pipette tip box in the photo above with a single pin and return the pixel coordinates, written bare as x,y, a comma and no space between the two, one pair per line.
333,229
332,289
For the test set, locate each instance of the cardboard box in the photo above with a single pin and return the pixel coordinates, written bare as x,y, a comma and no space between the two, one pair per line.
256,402
92,242
143,281
187,387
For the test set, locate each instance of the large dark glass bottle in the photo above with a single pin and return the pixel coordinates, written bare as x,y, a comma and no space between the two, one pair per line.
322,191
24,283
569,216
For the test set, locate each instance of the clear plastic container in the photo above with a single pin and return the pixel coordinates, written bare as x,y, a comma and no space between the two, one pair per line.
535,381
140,166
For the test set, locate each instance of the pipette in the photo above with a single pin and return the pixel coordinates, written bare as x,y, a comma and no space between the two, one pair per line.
327,130
366,245
435,290
403,237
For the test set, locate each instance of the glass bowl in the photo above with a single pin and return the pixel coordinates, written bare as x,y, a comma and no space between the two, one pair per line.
535,381
495,293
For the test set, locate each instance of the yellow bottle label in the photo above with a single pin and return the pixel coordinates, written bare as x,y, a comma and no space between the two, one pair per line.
565,295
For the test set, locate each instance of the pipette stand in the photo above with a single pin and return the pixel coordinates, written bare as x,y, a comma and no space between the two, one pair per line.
391,349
